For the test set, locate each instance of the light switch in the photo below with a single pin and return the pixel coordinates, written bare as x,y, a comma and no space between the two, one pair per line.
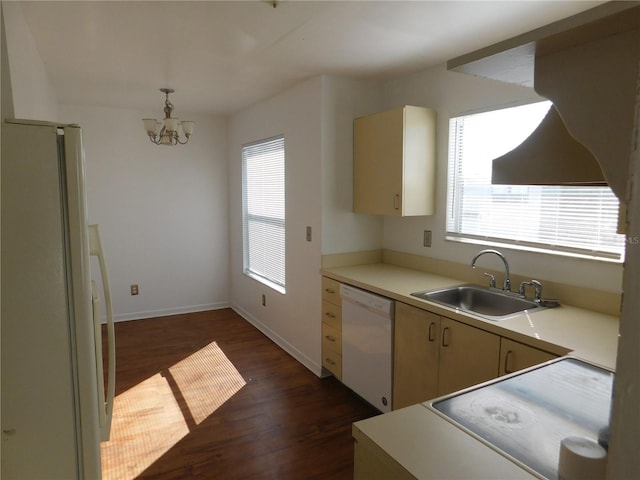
426,240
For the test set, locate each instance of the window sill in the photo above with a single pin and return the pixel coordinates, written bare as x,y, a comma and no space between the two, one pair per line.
268,283
530,248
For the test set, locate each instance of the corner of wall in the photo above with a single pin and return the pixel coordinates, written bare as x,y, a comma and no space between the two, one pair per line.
6,99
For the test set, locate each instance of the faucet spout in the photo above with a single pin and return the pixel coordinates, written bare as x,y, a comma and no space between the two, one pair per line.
506,286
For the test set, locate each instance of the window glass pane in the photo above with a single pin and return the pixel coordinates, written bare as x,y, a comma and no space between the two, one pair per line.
264,211
560,219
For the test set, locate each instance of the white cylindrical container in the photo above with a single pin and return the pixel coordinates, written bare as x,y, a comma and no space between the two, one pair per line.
581,459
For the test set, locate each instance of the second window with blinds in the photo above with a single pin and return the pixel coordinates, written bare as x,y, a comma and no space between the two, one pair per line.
565,220
263,208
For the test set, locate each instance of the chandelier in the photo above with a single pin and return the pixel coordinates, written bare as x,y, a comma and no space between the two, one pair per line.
168,131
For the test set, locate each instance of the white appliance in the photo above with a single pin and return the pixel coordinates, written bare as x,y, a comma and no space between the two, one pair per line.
367,345
54,411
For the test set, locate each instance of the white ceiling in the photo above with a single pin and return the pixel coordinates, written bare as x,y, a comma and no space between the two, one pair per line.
221,56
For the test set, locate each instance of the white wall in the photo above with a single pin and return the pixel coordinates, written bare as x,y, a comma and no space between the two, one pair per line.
32,93
452,94
315,117
291,319
162,211
342,230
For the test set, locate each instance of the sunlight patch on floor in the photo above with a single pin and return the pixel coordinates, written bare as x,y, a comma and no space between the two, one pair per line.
153,416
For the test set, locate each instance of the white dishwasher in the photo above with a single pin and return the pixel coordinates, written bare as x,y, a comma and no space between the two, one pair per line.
367,345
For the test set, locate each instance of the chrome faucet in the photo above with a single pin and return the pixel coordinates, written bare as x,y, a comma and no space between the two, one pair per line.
506,286
537,290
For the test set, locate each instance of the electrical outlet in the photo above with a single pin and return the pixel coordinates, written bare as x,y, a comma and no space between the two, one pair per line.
264,300
134,289
426,239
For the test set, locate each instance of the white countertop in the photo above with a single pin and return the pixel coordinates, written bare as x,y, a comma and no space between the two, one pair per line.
589,335
429,447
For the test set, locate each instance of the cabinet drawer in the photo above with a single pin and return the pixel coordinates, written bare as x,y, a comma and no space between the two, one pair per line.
331,338
332,361
332,314
331,290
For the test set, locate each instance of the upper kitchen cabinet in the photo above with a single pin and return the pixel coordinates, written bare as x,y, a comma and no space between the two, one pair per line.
394,158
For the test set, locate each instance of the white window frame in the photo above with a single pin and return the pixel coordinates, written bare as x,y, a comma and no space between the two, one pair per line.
521,222
264,211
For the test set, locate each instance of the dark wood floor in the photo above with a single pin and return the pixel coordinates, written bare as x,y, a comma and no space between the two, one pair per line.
280,421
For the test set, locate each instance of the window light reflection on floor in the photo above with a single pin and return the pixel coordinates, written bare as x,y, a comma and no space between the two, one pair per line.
157,413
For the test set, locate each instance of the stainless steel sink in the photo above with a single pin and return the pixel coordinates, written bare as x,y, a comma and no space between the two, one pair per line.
488,303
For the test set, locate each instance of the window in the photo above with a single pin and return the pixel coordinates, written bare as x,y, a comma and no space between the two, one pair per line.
569,220
263,191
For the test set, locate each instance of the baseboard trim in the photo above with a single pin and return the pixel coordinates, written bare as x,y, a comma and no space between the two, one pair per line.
314,367
124,317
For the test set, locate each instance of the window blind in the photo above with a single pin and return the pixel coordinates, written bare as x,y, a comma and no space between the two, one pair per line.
263,166
560,219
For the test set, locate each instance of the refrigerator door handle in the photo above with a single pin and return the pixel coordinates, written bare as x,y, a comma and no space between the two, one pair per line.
95,301
95,249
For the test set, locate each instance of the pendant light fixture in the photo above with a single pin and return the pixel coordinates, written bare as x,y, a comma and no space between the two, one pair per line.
168,131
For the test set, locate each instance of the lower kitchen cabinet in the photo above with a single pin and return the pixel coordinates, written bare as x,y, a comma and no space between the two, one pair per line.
435,355
331,327
516,356
416,354
332,349
468,356
370,462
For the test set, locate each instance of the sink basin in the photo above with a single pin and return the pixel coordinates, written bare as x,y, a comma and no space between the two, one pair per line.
488,303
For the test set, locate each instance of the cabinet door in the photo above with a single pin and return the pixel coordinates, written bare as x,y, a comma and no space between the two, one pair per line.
394,158
378,146
416,344
515,356
372,463
468,356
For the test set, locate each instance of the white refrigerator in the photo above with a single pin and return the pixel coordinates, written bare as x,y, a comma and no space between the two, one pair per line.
54,406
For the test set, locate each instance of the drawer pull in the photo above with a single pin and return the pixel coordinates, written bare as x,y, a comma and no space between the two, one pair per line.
506,362
331,338
330,290
329,314
396,202
432,329
329,361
